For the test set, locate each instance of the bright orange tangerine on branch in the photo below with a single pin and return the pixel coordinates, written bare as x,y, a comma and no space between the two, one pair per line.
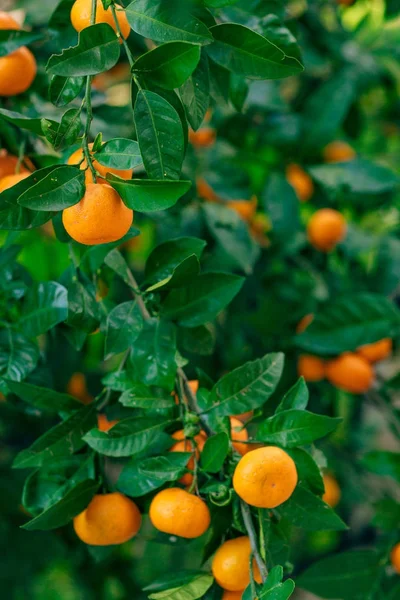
9,164
227,595
186,445
338,151
326,228
300,181
231,565
81,11
350,372
265,477
109,519
104,424
177,512
202,138
332,492
246,209
18,69
312,368
99,217
376,351
76,158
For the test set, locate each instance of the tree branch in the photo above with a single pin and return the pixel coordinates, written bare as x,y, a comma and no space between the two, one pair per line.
248,521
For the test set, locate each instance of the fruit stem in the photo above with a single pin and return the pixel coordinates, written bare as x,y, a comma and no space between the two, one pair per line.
192,401
248,522
88,104
121,37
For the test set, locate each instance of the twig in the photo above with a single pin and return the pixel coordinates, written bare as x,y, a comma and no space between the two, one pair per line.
253,539
118,28
89,111
192,401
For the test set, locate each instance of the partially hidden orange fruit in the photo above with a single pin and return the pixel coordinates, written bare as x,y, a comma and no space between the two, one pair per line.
177,512
104,424
376,351
239,434
77,387
108,520
99,217
186,445
300,181
18,69
265,477
81,11
350,372
338,151
312,368
231,565
76,158
395,558
332,492
304,323
246,209
10,180
202,138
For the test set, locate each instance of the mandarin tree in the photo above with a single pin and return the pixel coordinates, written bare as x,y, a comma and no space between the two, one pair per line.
199,299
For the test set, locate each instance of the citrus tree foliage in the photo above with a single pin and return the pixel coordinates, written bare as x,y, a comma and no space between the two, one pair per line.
224,110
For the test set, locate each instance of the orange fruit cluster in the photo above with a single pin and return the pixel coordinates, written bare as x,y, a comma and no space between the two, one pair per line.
18,69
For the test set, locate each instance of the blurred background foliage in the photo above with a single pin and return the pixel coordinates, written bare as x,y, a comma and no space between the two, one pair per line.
348,91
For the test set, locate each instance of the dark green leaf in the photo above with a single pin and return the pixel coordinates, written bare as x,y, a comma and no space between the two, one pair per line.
140,396
33,124
292,428
45,305
63,90
282,206
383,463
43,398
18,355
274,588
124,324
305,510
247,387
214,452
195,93
146,195
190,591
119,153
165,468
67,132
296,397
160,136
166,258
61,188
202,300
97,51
12,39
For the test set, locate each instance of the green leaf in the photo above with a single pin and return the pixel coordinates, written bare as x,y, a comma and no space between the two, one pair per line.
62,440
358,176
119,153
296,397
202,300
18,355
292,428
349,575
247,387
97,50
160,22
165,468
349,322
119,381
190,591
153,355
305,510
43,398
126,438
383,462
61,188
168,65
146,195
63,90
198,340
250,54
214,452
231,232
282,206
124,324
83,310
168,259
141,396
195,93
12,39
160,136
33,124
274,588
65,133
61,513
45,305
307,470
118,264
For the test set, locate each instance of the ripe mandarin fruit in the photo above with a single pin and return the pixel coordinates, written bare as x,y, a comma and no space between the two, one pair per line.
243,417
311,367
376,351
332,491
10,180
246,209
109,519
77,387
326,228
338,151
104,424
18,69
230,565
304,323
177,512
202,138
76,158
350,372
300,181
9,164
265,477
395,558
186,445
239,434
99,217
80,16
232,595
259,226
